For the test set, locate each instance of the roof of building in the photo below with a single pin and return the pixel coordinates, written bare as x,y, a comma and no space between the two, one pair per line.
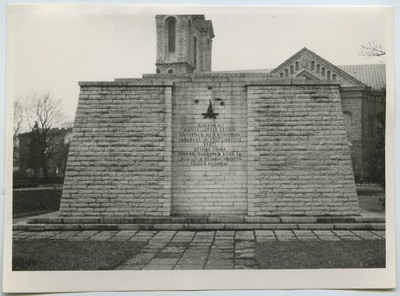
204,24
342,77
373,75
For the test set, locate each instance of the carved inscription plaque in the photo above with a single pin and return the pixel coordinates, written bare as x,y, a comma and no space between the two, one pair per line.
209,171
210,151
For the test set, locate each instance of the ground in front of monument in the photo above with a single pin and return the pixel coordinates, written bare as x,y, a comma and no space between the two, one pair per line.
206,249
194,250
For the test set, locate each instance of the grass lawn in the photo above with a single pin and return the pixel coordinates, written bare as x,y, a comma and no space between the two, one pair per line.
371,203
71,255
321,254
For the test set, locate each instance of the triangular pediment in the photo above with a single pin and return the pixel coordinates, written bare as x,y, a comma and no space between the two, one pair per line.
310,65
307,75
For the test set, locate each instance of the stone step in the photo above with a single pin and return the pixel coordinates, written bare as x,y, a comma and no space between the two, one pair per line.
256,220
199,226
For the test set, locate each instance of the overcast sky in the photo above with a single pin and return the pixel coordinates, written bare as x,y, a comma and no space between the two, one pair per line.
54,47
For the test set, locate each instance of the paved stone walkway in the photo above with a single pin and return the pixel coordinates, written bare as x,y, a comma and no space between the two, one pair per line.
193,250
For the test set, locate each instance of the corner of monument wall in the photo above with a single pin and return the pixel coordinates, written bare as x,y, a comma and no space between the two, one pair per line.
300,143
119,155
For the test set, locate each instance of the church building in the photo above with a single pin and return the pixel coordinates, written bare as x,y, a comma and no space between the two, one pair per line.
190,142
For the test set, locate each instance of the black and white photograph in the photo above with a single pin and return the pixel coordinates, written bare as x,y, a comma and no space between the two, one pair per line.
199,145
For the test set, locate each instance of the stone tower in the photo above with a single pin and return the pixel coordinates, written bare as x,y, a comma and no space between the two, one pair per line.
184,44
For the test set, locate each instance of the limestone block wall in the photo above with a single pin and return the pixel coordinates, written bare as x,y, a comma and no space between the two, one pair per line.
269,147
298,153
209,154
119,162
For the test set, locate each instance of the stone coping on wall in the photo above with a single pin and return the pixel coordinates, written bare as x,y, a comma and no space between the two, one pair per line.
248,78
252,79
211,74
126,82
168,80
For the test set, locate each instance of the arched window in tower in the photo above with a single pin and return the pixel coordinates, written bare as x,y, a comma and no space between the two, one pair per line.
296,66
323,71
171,25
333,76
328,75
347,120
291,69
312,65
318,68
286,72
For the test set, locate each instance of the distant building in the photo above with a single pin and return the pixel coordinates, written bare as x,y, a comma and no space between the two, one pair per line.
363,97
27,160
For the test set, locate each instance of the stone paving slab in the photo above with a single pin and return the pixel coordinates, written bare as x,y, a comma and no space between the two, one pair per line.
329,238
196,250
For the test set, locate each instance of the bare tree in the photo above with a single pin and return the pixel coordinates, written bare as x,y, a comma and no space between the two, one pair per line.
69,124
17,126
45,118
377,170
18,116
372,50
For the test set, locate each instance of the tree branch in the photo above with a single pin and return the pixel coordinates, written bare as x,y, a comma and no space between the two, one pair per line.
370,50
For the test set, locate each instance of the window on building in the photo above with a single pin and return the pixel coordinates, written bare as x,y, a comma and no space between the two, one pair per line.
171,34
286,72
170,71
323,71
333,76
189,38
291,69
195,51
371,126
312,65
347,120
281,74
318,68
328,75
296,66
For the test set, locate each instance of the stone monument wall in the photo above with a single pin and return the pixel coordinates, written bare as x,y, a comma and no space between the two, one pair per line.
120,155
209,152
215,144
299,161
